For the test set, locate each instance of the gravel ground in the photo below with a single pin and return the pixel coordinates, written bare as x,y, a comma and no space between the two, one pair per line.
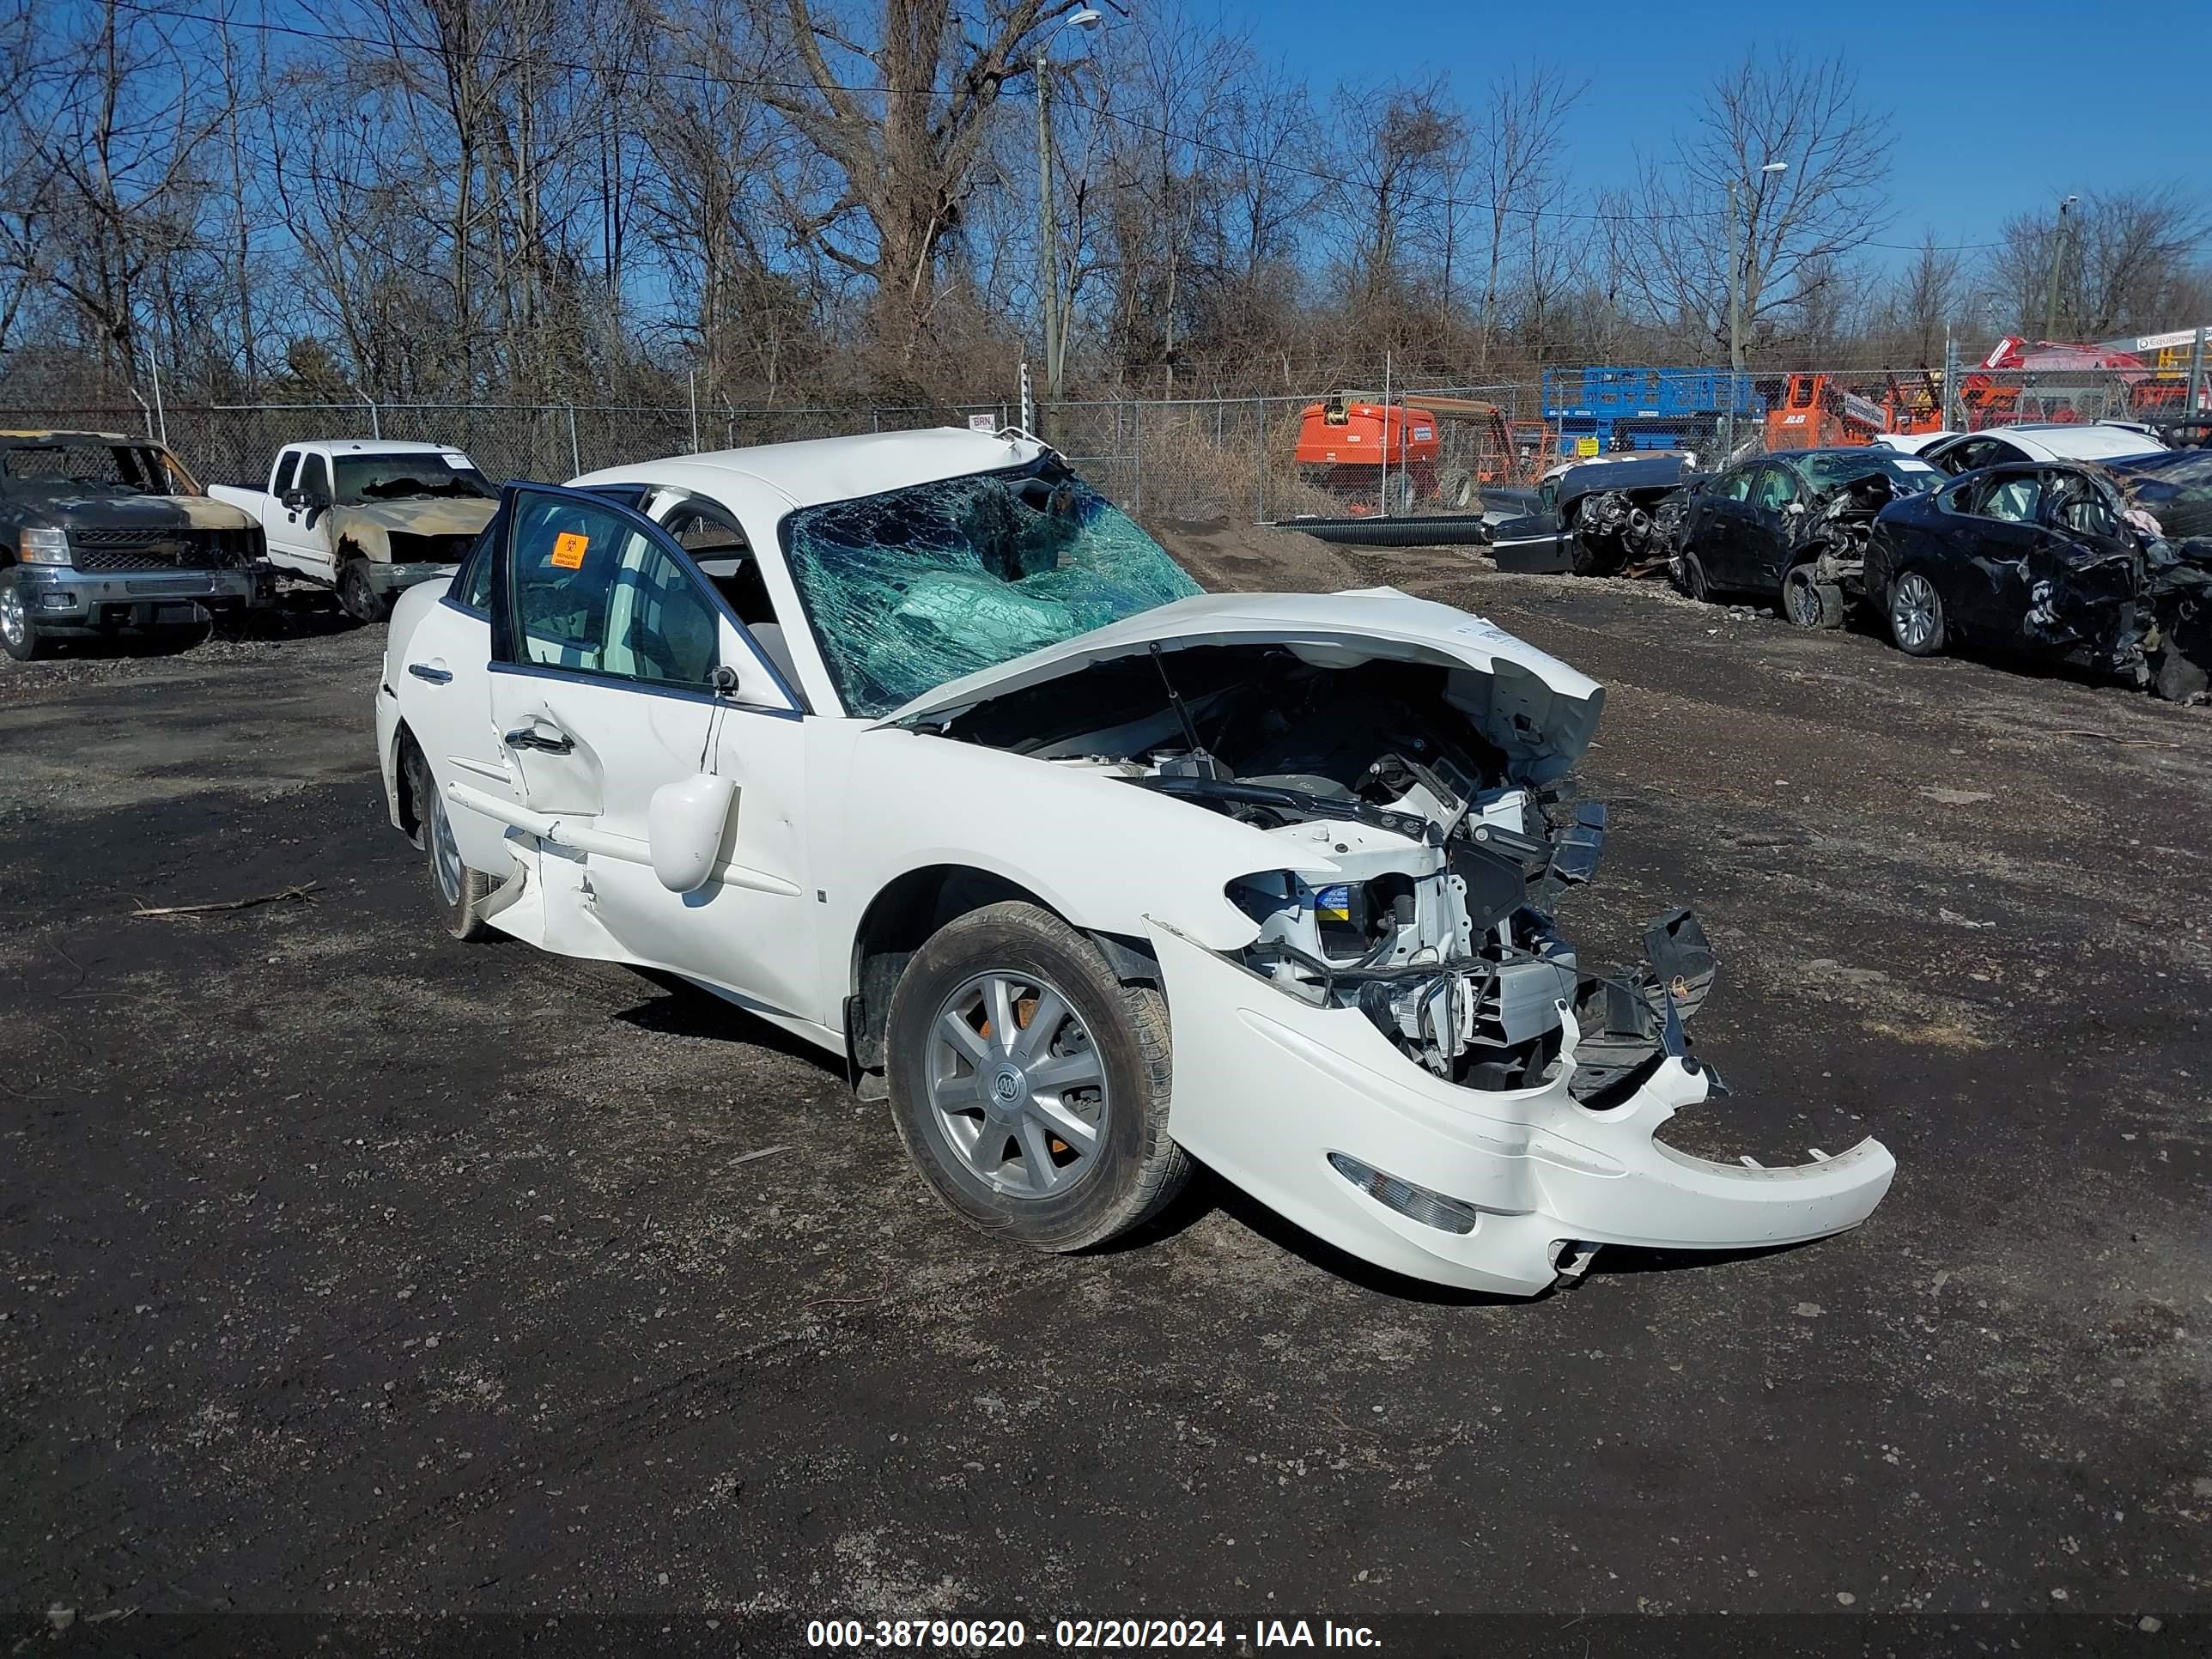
345,1268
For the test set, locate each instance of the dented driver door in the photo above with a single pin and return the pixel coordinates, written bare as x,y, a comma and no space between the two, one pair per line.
616,674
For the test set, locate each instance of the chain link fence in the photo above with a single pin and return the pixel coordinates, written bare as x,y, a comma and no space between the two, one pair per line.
1389,451
234,443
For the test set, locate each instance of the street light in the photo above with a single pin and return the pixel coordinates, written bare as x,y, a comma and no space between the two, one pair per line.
1737,253
1047,225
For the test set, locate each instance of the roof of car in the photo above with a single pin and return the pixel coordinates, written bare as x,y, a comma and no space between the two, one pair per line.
371,446
40,436
2061,440
812,470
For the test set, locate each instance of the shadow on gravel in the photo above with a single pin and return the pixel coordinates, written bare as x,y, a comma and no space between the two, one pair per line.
686,1010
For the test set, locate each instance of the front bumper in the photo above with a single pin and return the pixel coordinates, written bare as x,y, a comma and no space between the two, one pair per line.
386,578
60,599
1267,1086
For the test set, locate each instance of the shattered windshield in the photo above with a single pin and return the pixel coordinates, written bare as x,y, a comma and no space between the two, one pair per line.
444,473
917,587
110,469
1908,475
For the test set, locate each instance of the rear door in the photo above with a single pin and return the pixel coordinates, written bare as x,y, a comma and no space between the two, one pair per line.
1717,531
2002,530
444,695
1763,540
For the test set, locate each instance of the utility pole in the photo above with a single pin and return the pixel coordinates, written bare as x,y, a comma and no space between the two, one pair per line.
1739,234
1047,221
1047,227
2057,260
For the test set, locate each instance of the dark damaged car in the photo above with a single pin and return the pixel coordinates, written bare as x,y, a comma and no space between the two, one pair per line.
101,531
1792,527
2051,559
1596,518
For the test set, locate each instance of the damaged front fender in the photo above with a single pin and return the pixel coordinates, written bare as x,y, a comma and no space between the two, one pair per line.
1313,1112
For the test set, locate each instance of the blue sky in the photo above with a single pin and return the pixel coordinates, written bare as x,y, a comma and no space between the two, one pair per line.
1997,109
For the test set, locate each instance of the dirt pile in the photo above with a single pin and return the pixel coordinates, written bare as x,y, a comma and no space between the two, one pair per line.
1229,556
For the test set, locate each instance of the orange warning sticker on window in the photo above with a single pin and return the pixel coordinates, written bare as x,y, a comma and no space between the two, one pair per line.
568,549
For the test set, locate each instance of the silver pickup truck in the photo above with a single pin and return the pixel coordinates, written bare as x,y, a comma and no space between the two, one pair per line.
102,532
368,517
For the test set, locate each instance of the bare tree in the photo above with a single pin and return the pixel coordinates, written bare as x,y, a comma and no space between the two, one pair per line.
1516,173
1798,225
2130,261
1925,301
902,120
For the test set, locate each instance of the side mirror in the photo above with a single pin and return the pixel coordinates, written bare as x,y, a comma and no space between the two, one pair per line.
1795,508
685,824
297,501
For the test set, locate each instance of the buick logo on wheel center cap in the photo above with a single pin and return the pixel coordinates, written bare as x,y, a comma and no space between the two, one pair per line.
1007,1085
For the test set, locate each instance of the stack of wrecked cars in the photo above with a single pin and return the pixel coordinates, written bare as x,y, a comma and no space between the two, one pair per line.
101,531
919,748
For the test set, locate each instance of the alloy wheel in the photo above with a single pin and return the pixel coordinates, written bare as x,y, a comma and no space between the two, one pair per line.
1912,610
1017,1086
13,621
445,851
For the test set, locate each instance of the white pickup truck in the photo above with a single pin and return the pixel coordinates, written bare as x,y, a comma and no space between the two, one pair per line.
368,517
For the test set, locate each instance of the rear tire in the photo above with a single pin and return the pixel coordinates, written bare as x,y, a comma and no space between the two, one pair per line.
1809,603
1057,1138
457,892
19,632
359,600
1916,615
1690,577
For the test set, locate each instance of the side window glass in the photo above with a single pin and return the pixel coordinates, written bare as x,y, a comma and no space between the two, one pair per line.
720,549
1773,491
471,586
1736,486
288,471
2012,500
592,591
315,476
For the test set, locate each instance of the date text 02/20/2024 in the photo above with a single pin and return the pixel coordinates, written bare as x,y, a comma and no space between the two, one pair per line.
1086,1634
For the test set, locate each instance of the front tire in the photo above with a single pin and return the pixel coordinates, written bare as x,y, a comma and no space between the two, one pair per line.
356,598
19,631
457,892
1916,615
1029,1086
1809,603
1690,577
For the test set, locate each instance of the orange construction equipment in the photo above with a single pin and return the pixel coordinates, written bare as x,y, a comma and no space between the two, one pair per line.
1817,412
1347,441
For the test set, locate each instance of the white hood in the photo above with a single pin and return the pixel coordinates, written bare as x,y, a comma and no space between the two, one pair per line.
1541,712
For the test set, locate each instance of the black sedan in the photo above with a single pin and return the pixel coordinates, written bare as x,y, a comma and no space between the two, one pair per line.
1791,526
2034,556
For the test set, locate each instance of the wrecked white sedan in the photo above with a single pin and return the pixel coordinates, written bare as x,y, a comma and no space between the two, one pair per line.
915,746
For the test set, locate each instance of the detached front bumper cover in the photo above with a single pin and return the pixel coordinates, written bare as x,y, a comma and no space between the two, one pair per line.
1268,1087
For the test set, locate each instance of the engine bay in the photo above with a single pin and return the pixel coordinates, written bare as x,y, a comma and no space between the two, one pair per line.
1450,861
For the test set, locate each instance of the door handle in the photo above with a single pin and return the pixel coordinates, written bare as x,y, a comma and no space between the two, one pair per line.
529,736
422,670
